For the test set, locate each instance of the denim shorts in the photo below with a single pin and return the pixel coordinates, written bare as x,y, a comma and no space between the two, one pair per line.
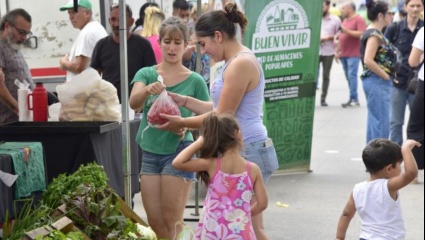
264,156
155,164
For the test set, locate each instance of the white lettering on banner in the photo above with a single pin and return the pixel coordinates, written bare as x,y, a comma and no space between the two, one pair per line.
281,41
282,93
279,65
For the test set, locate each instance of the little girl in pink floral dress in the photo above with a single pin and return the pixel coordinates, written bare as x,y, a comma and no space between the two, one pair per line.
232,181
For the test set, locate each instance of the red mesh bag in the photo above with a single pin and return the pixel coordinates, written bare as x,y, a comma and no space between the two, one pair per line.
164,104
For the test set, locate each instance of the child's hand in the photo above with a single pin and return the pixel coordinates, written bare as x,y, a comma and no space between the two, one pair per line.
411,144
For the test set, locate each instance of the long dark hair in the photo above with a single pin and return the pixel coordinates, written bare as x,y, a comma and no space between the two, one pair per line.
221,21
221,133
374,8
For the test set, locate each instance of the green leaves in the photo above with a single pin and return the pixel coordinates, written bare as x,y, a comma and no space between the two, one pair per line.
90,203
65,186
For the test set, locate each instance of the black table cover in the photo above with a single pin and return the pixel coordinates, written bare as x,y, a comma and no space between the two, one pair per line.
66,151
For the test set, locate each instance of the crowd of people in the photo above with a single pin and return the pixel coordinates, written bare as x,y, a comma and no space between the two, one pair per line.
383,47
237,158
391,53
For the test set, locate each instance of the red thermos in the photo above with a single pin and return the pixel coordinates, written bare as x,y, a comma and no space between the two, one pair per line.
39,103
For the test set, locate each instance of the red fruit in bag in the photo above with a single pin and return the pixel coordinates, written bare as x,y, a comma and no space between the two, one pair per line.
164,104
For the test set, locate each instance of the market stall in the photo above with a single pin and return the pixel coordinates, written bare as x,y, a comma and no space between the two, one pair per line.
68,145
25,159
78,206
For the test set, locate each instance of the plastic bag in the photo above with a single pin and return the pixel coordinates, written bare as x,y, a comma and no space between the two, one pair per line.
164,104
146,232
186,233
88,98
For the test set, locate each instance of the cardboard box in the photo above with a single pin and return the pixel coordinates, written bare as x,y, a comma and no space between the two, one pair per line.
64,224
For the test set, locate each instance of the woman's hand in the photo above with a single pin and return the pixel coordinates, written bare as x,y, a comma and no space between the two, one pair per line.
387,77
174,123
155,88
180,100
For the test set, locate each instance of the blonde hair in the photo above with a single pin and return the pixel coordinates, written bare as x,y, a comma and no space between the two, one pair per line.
153,20
205,8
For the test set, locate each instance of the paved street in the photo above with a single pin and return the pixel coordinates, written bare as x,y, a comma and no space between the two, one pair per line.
317,199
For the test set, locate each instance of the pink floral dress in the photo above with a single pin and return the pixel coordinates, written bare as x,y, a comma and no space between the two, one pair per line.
227,207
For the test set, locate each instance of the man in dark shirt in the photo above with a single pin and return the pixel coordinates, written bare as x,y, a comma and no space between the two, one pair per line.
106,54
402,34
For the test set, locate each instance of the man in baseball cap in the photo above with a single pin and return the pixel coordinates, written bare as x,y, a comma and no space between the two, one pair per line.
83,3
92,31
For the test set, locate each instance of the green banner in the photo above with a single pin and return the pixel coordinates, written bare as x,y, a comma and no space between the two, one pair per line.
285,35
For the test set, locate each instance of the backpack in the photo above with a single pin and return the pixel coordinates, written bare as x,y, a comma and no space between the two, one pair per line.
397,33
397,58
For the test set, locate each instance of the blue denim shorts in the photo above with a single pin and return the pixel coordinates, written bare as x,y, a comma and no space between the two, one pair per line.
155,164
264,156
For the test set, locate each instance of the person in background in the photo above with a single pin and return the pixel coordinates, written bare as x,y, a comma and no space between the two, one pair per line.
415,128
335,11
153,20
194,17
330,28
378,200
106,54
165,189
348,50
205,59
402,34
379,58
220,160
91,32
401,12
238,89
140,22
181,9
15,29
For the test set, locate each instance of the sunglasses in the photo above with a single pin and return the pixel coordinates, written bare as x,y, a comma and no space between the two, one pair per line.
22,32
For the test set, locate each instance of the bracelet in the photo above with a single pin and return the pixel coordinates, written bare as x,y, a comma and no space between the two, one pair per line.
187,99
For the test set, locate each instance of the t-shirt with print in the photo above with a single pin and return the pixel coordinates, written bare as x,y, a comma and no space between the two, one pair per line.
419,44
85,43
162,142
386,56
14,67
349,45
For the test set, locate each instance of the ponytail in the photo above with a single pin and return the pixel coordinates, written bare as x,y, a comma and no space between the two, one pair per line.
153,20
221,134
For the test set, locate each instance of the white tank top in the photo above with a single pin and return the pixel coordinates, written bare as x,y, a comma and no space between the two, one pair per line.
380,215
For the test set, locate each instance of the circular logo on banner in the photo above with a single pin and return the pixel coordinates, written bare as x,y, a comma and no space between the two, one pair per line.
283,25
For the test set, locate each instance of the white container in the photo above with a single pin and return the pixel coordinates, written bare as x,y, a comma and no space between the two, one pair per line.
25,115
